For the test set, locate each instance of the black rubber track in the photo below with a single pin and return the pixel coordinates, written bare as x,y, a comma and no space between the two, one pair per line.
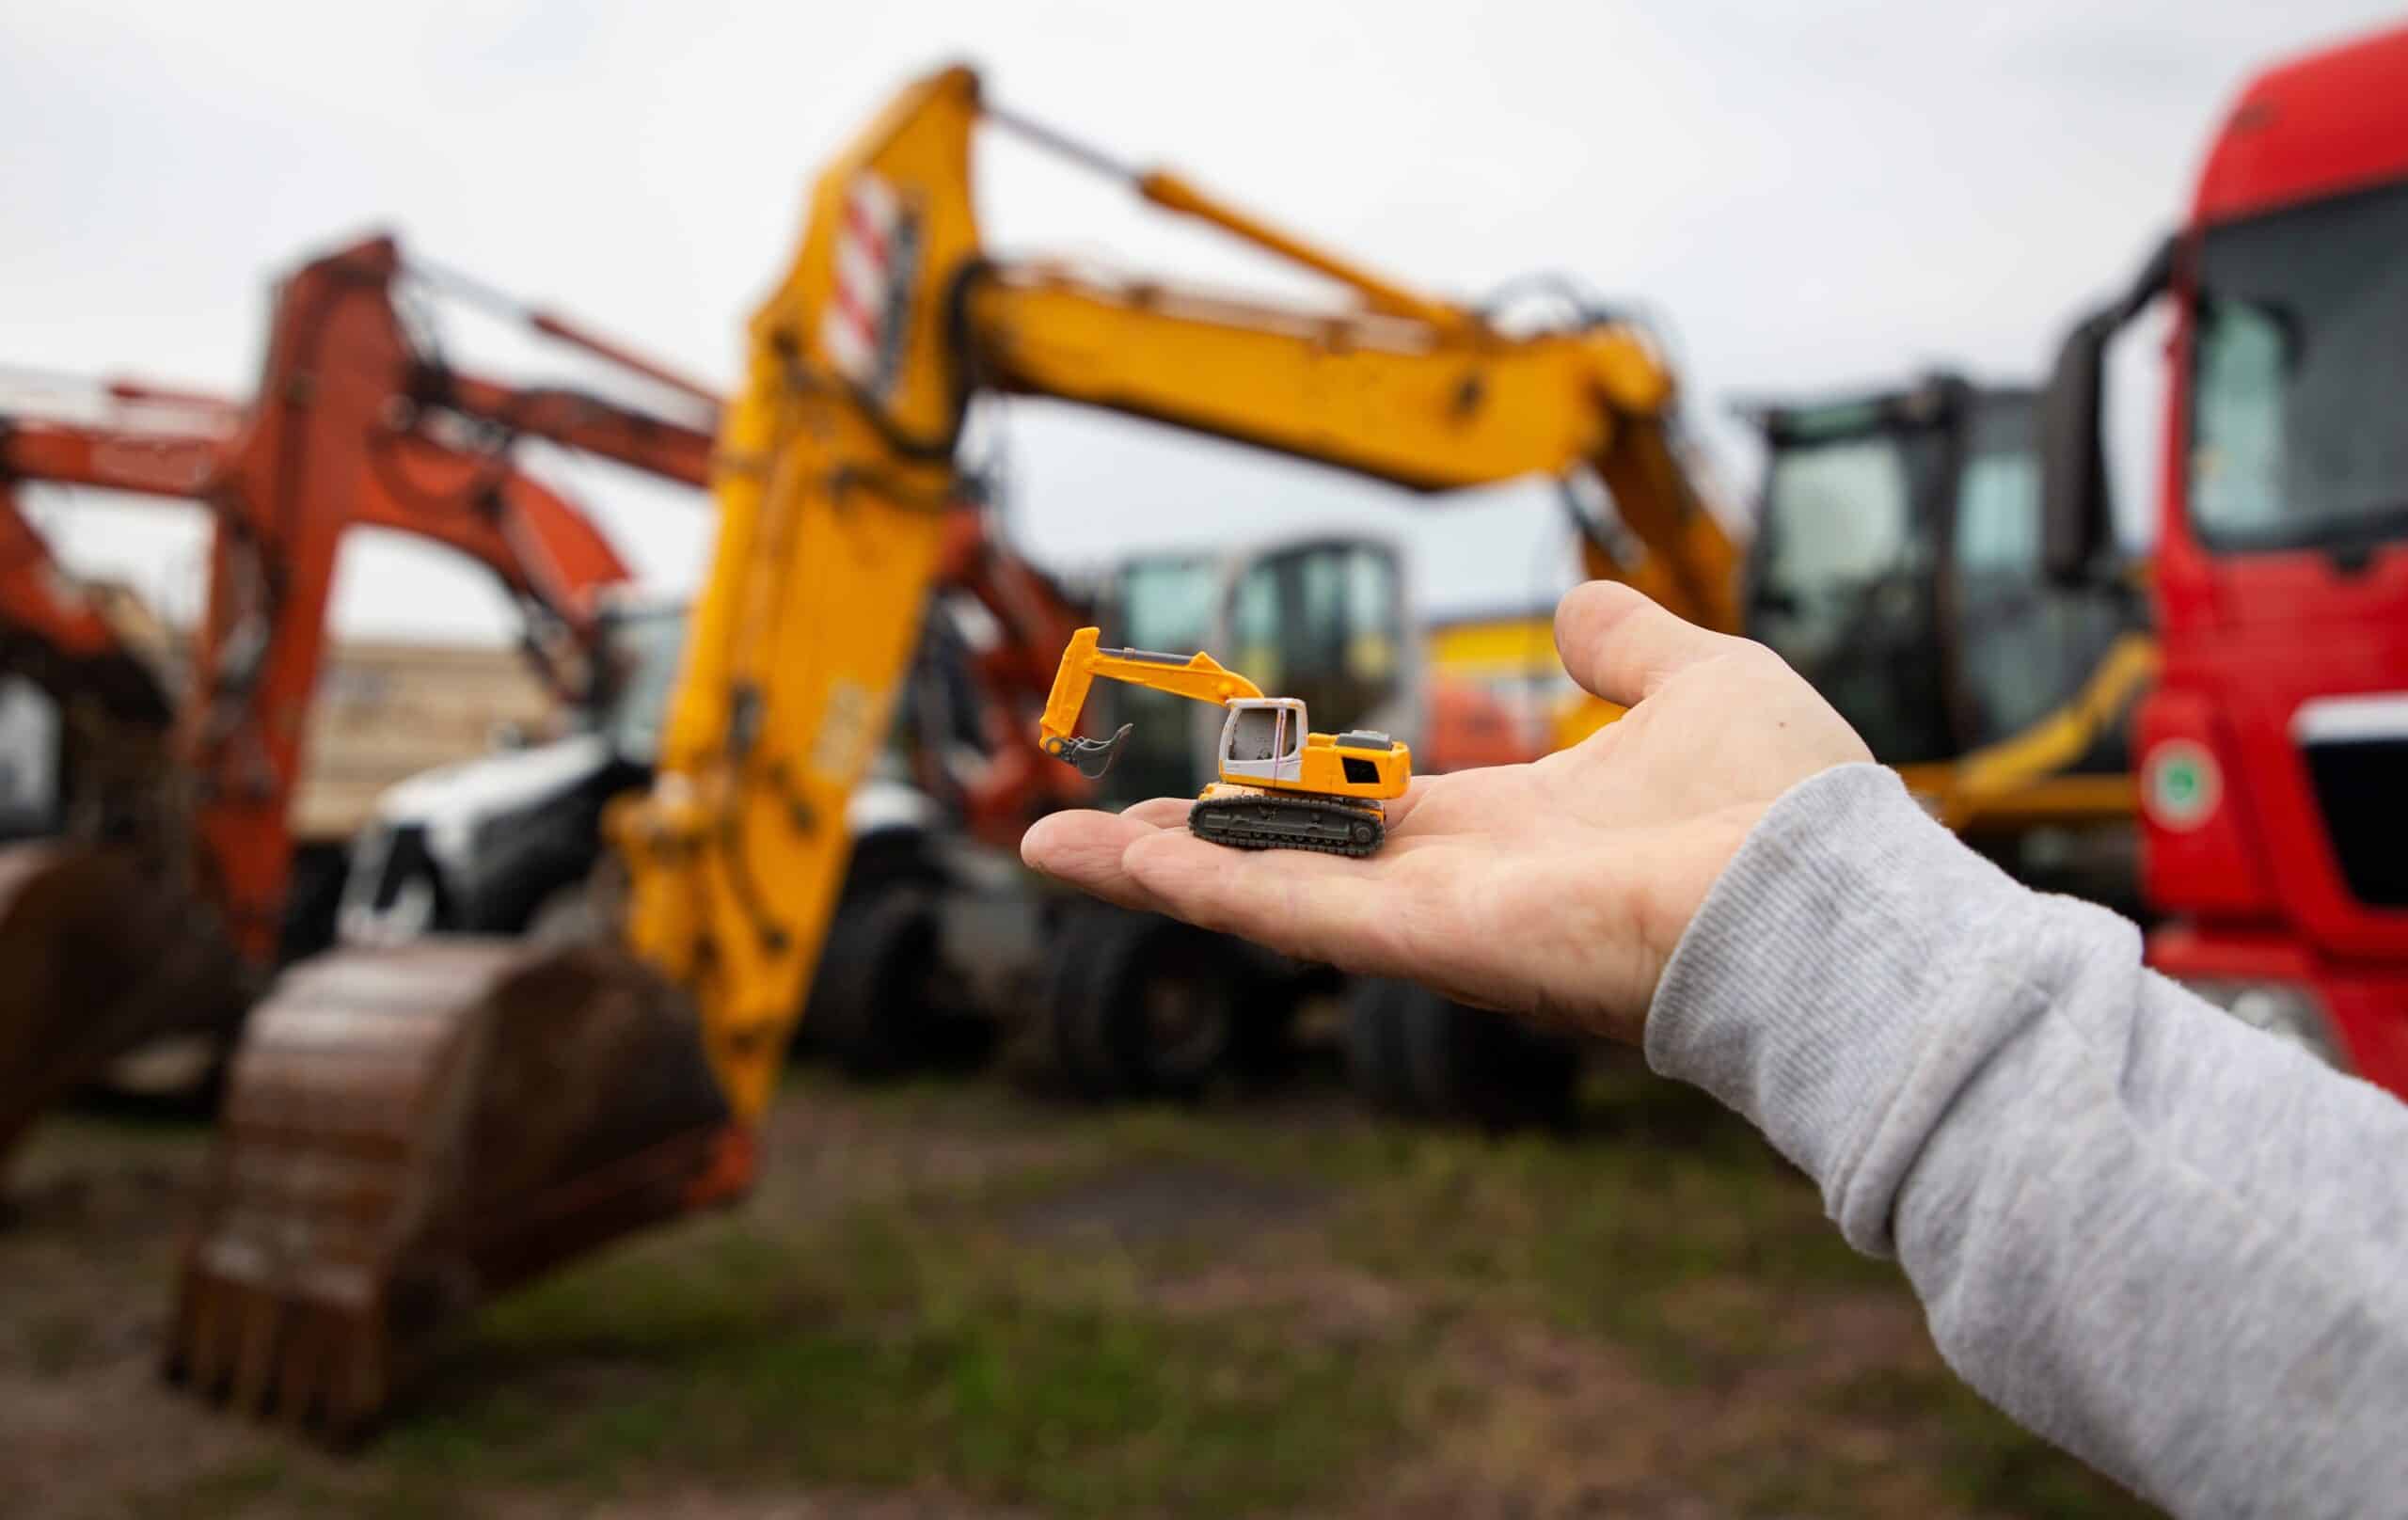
1199,816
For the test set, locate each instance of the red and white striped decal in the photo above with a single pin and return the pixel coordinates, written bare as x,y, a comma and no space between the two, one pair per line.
852,332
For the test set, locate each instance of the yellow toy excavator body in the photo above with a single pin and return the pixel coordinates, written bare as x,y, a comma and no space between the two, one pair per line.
1282,787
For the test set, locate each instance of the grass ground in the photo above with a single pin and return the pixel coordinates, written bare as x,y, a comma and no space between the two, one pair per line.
950,1300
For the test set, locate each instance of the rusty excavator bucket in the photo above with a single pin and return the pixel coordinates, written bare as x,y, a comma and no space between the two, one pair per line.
100,952
409,1131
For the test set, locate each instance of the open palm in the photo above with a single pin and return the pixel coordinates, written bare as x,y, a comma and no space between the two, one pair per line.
1554,889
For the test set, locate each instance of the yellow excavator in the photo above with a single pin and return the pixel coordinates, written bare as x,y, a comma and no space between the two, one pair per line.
407,1133
1281,786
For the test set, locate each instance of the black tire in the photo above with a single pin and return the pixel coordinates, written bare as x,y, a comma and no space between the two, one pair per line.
1143,1006
1377,1066
1077,1052
873,1009
312,899
1429,1056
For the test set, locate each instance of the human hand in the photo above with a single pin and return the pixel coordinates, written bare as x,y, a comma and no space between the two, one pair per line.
1555,890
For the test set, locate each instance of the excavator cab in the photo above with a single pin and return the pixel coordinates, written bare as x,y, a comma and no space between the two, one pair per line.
1898,565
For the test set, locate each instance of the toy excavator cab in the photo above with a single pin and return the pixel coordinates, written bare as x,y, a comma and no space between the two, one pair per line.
1263,741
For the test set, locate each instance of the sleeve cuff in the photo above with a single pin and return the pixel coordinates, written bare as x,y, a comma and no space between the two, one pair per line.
1848,934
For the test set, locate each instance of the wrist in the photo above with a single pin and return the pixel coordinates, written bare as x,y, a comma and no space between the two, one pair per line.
1697,852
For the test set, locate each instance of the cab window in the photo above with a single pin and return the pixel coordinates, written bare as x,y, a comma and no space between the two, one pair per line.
1259,734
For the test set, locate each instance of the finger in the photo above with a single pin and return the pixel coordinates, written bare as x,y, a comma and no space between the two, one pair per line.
1161,812
1621,646
1085,849
1310,906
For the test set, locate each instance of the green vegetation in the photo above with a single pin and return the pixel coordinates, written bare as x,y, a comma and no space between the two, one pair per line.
987,1303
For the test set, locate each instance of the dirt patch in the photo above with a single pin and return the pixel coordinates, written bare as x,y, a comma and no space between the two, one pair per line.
1164,1200
710,1504
1317,1302
825,1148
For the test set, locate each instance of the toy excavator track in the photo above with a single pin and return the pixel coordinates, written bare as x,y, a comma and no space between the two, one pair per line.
99,955
1248,818
409,1131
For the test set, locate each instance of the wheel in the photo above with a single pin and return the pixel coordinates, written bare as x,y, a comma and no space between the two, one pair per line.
874,1006
1416,1052
1080,1056
312,902
1376,1063
1142,1006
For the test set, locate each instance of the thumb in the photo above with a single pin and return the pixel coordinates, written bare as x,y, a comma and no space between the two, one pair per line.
1621,646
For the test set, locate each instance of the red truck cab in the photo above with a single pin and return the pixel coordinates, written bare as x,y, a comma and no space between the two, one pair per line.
2273,753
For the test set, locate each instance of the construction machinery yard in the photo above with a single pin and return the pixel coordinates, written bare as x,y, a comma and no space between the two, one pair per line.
633,1072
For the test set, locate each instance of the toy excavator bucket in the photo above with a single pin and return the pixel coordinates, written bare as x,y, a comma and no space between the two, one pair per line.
98,957
1091,757
409,1131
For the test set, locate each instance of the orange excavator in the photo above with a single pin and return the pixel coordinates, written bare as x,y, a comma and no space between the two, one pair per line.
50,632
406,1134
113,705
159,908
164,914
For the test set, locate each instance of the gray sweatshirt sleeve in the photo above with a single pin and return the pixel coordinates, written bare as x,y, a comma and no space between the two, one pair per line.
2168,1242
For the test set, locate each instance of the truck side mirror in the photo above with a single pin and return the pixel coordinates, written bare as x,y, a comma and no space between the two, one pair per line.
2075,518
2073,455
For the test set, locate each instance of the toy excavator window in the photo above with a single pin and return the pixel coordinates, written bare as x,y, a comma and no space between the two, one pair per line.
1263,733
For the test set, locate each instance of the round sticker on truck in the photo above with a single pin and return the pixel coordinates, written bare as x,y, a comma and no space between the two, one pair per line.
2180,784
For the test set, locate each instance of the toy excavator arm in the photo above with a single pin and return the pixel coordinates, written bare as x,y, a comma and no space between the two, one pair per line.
1198,678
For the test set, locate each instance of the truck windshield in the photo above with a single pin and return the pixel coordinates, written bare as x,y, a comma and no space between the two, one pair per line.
2299,353
643,649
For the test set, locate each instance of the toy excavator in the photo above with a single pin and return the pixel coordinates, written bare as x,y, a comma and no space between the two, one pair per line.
1281,787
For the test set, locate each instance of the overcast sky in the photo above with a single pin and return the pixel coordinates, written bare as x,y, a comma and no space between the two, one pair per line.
1807,196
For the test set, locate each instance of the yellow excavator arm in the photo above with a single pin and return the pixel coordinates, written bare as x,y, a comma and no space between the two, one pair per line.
1425,407
1197,677
839,449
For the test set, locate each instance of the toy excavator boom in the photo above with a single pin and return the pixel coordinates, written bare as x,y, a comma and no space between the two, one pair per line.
1199,677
